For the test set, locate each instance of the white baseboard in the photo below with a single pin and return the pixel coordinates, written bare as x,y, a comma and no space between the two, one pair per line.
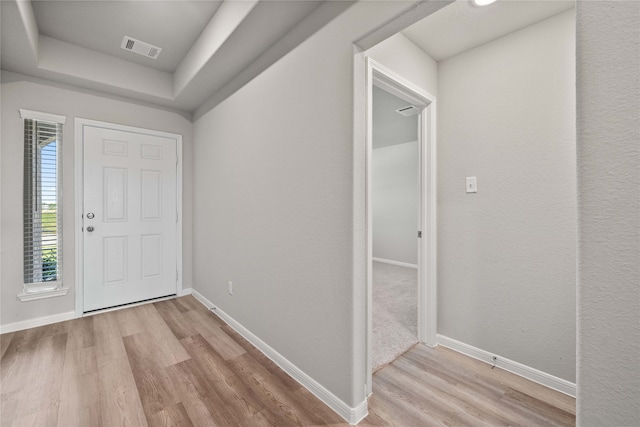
351,415
527,372
358,413
184,292
400,263
34,323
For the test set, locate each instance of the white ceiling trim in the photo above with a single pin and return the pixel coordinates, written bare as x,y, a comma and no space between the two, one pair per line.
25,8
226,20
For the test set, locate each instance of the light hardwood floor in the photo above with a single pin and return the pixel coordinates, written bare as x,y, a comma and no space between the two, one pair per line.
174,363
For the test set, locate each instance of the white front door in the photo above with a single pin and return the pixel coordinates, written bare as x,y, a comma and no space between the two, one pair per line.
130,217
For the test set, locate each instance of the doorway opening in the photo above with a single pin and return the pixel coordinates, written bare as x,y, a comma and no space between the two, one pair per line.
382,82
395,221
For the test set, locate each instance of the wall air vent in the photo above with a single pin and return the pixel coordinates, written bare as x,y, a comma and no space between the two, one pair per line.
409,110
141,48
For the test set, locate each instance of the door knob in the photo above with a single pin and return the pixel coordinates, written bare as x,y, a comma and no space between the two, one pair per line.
90,229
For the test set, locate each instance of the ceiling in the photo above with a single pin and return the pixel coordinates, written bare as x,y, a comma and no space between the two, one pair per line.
210,47
207,46
461,25
101,25
452,30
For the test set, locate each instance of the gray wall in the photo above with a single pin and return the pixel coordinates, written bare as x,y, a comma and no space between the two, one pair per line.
273,204
507,255
18,93
403,57
395,202
608,64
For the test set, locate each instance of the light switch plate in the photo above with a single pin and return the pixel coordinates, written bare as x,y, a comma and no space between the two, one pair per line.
472,184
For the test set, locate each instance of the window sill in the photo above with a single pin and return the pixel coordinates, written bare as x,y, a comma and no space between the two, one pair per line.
41,294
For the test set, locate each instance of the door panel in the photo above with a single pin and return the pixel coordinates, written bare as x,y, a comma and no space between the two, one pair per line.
151,192
115,259
130,242
151,255
115,194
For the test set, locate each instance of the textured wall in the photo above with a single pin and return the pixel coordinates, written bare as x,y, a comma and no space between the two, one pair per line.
507,255
403,57
608,71
273,203
18,93
395,202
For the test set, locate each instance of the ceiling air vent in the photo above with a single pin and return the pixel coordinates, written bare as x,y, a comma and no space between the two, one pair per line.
409,110
141,48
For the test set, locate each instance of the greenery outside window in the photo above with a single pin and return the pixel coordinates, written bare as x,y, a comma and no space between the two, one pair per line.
42,205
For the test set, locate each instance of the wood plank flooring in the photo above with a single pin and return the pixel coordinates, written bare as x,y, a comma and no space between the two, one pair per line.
435,387
172,363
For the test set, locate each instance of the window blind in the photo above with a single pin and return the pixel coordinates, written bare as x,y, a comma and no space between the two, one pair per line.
42,202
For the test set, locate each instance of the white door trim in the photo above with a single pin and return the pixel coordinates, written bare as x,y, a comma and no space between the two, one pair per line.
79,199
378,75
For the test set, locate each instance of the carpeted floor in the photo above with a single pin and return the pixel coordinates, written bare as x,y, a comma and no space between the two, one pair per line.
395,313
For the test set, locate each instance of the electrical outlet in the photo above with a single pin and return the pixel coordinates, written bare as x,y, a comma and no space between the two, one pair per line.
230,287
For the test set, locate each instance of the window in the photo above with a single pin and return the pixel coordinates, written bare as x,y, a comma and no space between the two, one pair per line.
42,203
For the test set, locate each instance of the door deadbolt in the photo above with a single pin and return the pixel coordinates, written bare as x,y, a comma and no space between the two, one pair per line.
90,215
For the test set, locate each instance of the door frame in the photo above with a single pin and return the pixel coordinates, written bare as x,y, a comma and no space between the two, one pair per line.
79,125
380,76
